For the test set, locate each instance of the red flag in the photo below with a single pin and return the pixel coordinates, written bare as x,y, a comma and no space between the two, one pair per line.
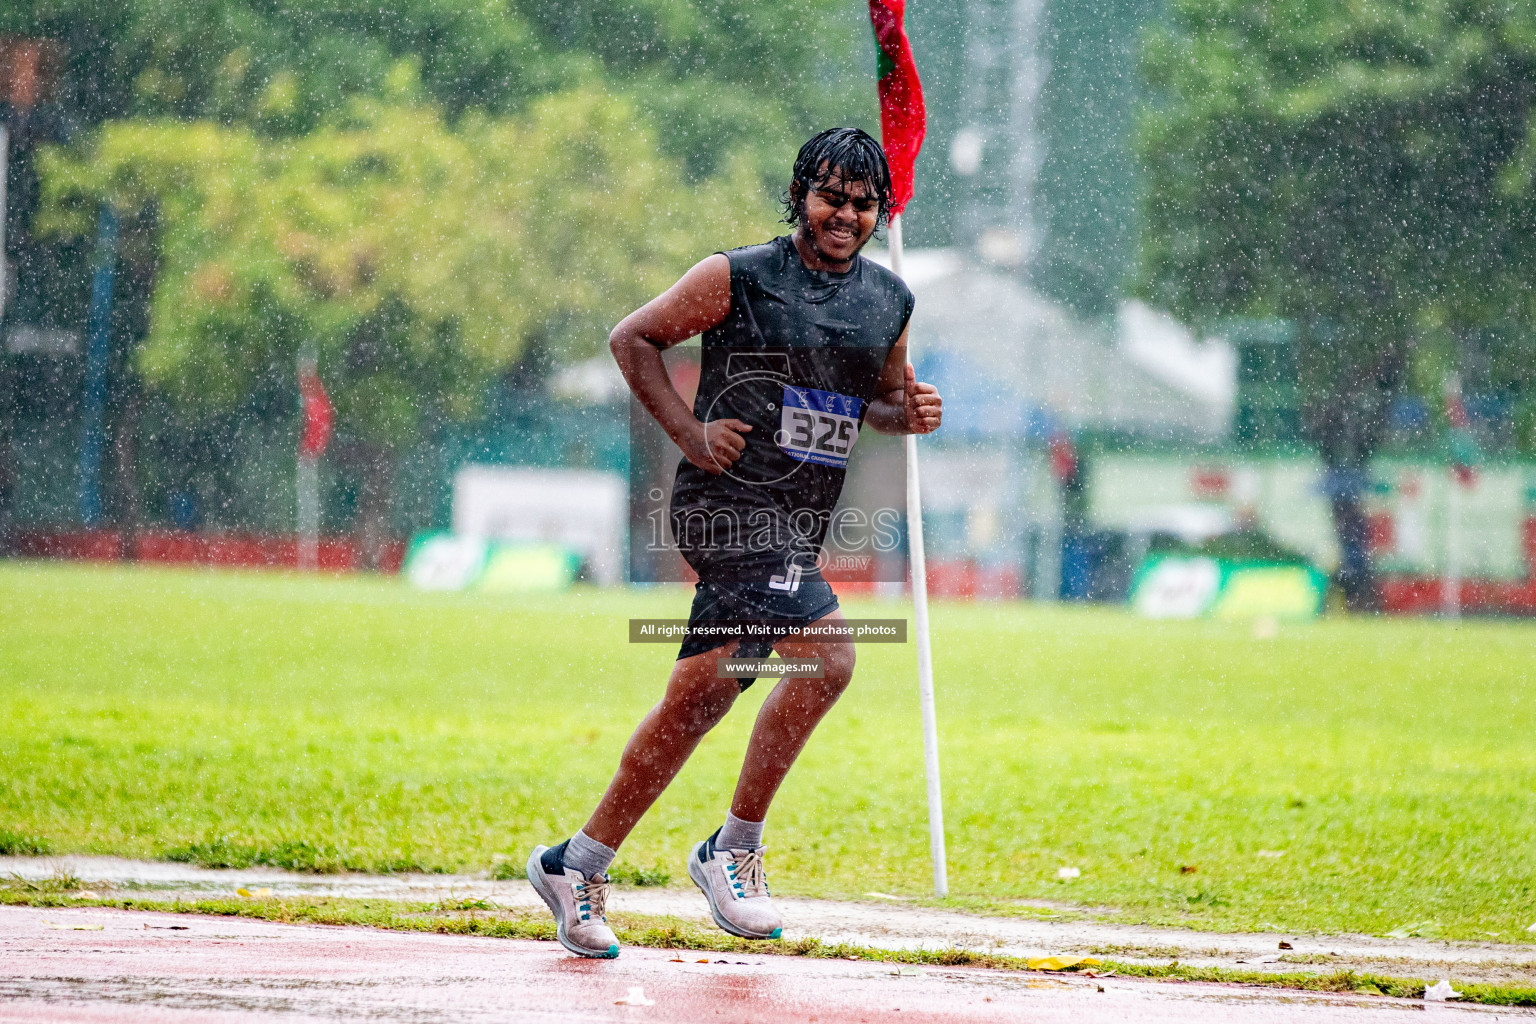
1064,464
318,414
902,117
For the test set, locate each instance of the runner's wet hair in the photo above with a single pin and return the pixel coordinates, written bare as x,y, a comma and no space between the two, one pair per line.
839,155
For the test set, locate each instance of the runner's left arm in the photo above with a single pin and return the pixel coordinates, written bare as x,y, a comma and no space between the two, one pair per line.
905,405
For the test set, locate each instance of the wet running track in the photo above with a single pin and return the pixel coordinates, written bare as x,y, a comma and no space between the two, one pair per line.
123,966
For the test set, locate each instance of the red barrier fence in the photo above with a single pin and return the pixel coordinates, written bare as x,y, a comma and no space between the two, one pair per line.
184,547
1422,595
1400,594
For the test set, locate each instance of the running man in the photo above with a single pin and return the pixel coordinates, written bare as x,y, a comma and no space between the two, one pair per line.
804,345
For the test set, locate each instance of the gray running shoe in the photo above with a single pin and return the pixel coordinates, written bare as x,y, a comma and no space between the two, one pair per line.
737,889
579,905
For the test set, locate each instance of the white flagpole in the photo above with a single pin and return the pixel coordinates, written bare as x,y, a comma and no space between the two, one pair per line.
1450,590
1450,594
309,513
308,486
5,155
920,623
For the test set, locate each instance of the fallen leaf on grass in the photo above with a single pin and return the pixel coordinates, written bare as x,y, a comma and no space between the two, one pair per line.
87,894
1188,869
1062,963
1067,874
636,997
1532,928
1440,991
1271,853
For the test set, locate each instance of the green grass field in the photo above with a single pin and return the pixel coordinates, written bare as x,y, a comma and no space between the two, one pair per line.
354,723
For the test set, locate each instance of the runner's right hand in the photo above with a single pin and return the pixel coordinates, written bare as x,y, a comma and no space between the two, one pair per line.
717,445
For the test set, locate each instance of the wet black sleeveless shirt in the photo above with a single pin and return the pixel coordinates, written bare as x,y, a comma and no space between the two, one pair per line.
799,357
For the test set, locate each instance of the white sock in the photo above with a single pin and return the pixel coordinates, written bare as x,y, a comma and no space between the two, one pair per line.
739,835
587,855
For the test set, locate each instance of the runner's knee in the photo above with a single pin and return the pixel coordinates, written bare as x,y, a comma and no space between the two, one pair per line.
837,665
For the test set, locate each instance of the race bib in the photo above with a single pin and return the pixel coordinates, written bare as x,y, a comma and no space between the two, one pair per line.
819,426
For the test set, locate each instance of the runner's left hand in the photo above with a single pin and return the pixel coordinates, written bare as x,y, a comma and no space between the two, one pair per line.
925,409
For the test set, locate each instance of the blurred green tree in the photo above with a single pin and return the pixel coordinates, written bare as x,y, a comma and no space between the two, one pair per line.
426,188
419,258
1361,168
715,75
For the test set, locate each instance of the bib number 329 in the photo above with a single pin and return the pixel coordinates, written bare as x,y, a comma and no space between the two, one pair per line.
819,426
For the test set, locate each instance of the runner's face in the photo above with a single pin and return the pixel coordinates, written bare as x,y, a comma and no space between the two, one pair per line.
839,217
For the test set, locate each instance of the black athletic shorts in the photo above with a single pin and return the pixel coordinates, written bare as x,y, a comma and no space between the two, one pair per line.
746,602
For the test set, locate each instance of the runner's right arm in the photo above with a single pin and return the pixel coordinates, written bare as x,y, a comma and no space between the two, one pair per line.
906,405
697,302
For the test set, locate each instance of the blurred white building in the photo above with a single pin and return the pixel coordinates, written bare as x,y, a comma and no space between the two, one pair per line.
1016,370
